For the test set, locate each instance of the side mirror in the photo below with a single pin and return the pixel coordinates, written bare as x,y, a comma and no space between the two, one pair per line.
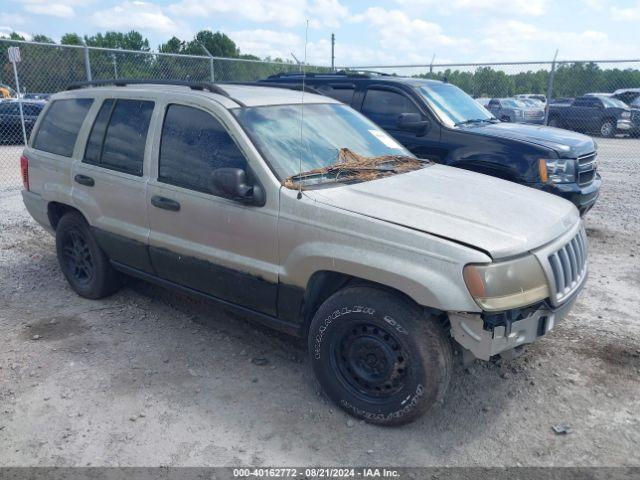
413,122
232,183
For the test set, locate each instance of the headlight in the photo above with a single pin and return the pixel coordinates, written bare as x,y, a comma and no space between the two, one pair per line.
505,285
518,113
557,170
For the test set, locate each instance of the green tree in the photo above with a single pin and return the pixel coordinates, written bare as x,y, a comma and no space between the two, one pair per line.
71,39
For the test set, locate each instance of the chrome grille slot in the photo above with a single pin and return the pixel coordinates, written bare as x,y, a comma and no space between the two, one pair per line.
569,266
587,169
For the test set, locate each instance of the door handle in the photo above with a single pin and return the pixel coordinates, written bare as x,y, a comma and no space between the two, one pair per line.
84,180
165,203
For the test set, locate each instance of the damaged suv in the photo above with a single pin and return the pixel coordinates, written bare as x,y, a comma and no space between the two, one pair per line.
296,210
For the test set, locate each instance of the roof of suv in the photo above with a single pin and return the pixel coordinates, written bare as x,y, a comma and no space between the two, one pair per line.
354,77
238,95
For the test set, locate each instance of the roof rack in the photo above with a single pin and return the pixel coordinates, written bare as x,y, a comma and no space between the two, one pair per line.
123,82
288,86
340,73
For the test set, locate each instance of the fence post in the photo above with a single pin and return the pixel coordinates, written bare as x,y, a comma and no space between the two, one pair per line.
87,62
14,57
212,72
552,74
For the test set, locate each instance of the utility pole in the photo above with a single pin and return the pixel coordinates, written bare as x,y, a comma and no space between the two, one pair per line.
333,57
552,74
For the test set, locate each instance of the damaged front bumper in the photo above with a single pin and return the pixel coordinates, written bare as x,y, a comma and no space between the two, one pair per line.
486,335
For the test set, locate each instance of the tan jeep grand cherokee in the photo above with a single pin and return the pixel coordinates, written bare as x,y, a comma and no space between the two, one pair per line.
297,210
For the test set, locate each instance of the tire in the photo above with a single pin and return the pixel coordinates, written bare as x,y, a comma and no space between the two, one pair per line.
377,356
607,129
82,261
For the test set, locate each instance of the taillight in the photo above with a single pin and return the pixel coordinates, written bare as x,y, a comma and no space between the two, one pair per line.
24,170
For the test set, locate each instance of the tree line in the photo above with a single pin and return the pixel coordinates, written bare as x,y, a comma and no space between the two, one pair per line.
570,80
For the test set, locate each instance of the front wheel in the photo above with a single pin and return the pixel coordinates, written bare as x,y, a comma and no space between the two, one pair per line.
378,356
607,129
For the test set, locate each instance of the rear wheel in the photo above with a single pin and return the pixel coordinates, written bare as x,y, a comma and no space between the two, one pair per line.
82,261
378,356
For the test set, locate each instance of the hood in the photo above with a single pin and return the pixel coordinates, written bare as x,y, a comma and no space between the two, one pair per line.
565,143
498,217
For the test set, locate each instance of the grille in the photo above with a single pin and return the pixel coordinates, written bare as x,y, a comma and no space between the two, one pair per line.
585,178
587,159
534,113
569,266
586,169
635,116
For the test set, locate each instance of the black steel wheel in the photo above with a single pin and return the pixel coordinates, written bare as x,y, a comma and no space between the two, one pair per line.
379,356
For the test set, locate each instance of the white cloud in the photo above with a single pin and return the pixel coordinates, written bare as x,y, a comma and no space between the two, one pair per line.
413,39
630,14
267,43
288,13
529,42
136,15
513,7
56,8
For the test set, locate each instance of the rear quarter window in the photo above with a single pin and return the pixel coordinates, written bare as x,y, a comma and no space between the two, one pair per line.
59,127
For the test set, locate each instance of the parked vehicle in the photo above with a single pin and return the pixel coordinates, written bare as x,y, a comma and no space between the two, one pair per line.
10,125
375,256
602,115
440,122
631,96
533,96
511,110
530,102
37,96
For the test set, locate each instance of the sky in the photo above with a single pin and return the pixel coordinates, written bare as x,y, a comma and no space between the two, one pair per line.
367,33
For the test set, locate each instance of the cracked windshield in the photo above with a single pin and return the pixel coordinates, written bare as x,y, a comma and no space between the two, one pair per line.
337,144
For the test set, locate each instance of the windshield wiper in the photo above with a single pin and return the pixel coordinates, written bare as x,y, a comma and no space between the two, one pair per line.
474,121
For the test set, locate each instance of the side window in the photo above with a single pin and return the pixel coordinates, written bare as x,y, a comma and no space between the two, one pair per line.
59,128
119,135
193,144
384,106
342,94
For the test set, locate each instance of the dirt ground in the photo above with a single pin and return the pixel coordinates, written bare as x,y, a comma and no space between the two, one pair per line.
148,377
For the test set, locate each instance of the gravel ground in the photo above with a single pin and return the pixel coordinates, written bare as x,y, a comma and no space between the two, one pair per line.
148,377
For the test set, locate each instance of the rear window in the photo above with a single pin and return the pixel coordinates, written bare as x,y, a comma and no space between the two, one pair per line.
60,126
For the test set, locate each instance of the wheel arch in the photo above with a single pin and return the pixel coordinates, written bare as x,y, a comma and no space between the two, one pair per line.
56,210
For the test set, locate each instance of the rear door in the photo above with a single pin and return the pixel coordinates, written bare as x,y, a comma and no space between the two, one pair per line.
383,105
200,240
109,183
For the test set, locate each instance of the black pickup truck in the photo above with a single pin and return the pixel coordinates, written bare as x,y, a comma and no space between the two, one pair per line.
439,121
599,114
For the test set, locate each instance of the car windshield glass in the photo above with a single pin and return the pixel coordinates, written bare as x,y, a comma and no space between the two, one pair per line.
613,102
291,145
452,105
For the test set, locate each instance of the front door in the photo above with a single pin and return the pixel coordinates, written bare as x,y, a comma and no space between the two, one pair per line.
384,106
198,239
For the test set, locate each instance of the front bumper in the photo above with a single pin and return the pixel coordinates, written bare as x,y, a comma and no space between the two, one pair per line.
624,125
583,197
472,331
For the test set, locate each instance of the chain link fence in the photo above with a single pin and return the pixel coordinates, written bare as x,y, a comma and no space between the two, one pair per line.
45,69
600,98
